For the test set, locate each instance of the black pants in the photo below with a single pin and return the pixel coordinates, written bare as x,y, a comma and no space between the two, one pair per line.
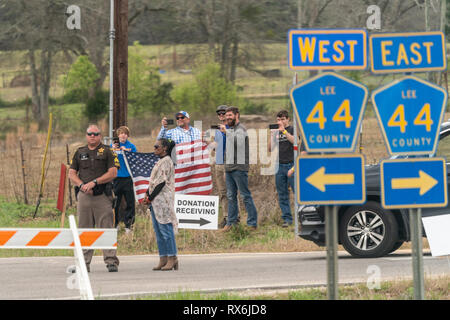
123,187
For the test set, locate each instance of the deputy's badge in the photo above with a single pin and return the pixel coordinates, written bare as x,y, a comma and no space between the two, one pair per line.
84,156
100,151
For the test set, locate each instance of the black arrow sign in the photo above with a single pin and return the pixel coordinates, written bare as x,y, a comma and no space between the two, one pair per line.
201,222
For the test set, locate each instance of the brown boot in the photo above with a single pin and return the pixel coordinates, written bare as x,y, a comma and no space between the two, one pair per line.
172,263
162,263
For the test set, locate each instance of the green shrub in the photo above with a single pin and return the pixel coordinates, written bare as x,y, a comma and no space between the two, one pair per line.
208,90
146,93
80,79
97,106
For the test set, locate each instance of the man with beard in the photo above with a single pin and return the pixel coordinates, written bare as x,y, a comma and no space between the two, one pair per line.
236,168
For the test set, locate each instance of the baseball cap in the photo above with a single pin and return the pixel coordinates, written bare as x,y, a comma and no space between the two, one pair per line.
183,113
221,108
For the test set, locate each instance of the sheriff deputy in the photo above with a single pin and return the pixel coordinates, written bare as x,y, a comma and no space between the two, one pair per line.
92,169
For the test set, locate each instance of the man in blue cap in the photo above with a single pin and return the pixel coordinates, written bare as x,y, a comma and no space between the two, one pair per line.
183,132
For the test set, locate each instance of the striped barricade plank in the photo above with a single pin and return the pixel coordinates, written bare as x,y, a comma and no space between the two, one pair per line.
15,238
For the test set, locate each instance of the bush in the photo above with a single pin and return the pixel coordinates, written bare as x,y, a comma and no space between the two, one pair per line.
145,90
80,79
208,91
97,106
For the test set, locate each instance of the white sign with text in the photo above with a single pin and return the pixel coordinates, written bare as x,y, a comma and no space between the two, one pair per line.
438,236
197,212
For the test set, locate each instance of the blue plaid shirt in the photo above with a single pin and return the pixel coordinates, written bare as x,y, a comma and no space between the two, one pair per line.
179,135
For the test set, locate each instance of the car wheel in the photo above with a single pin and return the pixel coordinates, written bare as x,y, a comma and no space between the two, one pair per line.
368,231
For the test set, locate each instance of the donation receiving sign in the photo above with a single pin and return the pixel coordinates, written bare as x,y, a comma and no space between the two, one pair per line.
197,212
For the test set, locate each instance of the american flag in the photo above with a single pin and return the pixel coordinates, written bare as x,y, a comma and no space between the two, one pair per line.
140,167
193,171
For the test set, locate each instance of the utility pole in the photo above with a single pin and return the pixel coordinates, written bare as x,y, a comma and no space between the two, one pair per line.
120,63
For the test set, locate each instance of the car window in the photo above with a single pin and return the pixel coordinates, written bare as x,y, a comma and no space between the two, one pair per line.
443,149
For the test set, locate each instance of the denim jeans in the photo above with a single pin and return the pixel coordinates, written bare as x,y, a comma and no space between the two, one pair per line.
282,182
165,237
238,180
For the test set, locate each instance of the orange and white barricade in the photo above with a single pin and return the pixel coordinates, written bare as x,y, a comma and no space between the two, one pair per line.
73,238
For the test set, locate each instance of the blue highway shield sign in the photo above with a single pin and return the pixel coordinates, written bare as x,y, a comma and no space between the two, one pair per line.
414,183
410,112
331,180
407,52
327,49
329,109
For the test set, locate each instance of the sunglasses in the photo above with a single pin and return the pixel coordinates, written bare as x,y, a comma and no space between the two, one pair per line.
180,118
93,133
222,113
156,146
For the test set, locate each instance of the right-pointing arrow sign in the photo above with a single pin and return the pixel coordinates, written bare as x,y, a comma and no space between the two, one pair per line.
201,221
413,183
424,182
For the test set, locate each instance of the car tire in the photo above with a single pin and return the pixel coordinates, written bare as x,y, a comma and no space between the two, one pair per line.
368,231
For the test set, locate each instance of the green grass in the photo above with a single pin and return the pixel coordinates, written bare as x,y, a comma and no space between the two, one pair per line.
436,289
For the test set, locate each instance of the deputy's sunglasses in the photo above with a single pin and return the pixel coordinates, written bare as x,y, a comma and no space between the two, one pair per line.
180,118
93,133
221,113
156,146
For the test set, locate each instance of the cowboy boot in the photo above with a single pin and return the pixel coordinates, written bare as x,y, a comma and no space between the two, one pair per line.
172,263
162,263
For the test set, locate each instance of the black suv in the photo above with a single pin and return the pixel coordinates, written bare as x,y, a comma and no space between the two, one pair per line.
388,229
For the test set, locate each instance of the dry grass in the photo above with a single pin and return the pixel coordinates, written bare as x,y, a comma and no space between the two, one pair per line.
270,237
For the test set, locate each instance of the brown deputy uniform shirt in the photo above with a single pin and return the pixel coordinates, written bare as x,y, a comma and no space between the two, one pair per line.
92,164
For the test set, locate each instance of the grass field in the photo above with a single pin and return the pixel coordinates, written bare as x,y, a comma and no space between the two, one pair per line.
435,289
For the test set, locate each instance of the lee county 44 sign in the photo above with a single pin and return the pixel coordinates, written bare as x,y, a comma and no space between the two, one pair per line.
410,111
329,109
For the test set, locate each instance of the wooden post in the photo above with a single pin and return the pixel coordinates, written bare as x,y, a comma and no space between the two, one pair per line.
120,91
25,197
64,206
70,184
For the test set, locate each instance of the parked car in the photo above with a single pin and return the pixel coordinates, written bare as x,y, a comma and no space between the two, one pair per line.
368,230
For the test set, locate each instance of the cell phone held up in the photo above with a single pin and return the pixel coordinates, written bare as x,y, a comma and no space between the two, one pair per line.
214,126
273,126
170,121
116,142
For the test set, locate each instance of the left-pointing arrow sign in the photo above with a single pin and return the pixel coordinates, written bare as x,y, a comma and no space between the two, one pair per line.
320,179
201,221
424,182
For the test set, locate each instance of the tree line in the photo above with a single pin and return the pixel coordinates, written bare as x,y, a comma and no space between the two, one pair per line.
235,31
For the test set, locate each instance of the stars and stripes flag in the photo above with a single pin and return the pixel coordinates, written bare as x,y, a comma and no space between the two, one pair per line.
140,167
192,171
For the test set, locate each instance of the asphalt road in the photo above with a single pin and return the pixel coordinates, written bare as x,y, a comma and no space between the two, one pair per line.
46,278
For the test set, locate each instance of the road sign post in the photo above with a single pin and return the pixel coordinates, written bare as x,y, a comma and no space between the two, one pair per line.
410,112
331,239
329,109
415,217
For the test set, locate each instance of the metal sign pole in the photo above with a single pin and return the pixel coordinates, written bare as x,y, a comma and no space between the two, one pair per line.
296,222
415,217
332,258
112,33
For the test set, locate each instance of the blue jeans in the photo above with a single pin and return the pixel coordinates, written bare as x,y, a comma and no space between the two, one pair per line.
282,182
238,180
165,237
